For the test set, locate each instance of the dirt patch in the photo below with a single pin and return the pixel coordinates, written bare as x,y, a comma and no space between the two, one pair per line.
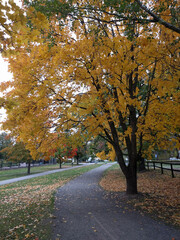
160,194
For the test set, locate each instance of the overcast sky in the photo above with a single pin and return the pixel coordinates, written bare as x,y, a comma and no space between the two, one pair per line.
4,74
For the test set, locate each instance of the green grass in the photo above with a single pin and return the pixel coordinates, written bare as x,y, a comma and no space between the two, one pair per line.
20,172
26,206
113,167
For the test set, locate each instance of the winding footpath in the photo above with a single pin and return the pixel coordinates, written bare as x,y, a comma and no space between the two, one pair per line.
12,180
84,211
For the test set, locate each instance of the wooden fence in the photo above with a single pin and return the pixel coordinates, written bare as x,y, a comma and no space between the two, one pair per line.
164,165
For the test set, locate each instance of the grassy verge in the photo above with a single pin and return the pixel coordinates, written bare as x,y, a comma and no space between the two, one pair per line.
19,172
26,206
159,194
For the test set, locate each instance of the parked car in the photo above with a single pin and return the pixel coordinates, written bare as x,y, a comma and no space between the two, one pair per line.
174,159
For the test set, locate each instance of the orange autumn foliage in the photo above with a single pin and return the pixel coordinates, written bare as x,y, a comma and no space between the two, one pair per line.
92,79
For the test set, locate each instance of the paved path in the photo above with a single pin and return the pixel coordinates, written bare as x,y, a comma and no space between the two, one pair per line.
84,211
36,175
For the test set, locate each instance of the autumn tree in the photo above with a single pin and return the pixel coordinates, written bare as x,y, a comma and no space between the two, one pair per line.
63,153
99,77
5,141
59,154
163,12
98,147
16,152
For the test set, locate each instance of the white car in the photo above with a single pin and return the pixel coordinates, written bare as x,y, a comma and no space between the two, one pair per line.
174,159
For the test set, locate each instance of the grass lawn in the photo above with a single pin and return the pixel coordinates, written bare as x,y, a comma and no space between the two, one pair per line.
26,206
159,194
19,172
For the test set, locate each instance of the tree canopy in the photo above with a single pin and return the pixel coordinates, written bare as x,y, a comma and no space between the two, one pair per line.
101,71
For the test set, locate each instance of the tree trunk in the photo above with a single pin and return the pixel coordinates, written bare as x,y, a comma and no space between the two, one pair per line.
29,167
130,173
60,163
131,184
141,164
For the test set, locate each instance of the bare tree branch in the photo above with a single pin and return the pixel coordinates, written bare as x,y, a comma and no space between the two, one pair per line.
157,18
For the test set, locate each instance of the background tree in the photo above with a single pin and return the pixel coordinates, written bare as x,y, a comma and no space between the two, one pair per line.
18,153
78,155
5,141
65,152
59,154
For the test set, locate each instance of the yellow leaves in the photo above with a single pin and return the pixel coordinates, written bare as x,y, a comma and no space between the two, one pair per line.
31,202
128,132
112,154
24,198
41,17
161,193
27,235
38,20
101,155
17,33
89,77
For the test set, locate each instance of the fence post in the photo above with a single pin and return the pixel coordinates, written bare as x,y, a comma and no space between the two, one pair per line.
154,165
172,173
161,168
148,165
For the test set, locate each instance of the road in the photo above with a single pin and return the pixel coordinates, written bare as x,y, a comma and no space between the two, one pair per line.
84,211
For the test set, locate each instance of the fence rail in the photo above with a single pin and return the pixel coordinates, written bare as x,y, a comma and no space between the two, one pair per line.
163,165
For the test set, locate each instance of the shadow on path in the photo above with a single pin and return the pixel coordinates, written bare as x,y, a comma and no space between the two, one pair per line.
84,211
